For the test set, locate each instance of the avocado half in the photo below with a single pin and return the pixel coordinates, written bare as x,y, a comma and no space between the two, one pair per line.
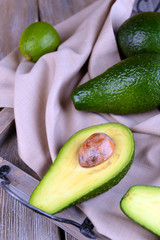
142,204
67,182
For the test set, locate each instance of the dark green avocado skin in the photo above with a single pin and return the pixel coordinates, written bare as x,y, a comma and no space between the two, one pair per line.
106,186
131,86
140,34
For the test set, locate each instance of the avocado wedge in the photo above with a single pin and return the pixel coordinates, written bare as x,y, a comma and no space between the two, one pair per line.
142,205
130,86
74,177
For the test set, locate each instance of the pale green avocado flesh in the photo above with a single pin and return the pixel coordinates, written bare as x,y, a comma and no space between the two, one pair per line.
142,205
67,182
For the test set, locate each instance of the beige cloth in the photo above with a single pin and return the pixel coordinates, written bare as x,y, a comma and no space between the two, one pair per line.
45,116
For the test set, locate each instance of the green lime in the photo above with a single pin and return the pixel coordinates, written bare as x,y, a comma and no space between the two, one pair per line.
38,39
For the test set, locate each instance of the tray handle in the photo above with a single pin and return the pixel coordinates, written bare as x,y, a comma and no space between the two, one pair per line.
85,228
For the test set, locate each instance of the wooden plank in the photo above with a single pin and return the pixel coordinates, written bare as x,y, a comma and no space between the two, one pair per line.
19,222
16,221
53,11
23,185
6,119
15,16
68,236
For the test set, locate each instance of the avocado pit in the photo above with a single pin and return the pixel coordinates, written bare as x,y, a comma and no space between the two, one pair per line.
95,150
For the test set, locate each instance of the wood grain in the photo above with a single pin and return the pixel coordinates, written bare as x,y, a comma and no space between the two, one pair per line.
7,117
15,16
18,222
57,11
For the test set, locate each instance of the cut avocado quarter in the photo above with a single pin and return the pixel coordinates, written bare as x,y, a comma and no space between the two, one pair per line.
91,162
140,34
142,204
130,86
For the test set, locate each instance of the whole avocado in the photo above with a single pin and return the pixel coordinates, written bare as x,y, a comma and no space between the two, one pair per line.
140,34
130,86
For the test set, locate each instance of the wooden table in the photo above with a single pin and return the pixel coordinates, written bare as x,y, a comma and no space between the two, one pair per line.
16,221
